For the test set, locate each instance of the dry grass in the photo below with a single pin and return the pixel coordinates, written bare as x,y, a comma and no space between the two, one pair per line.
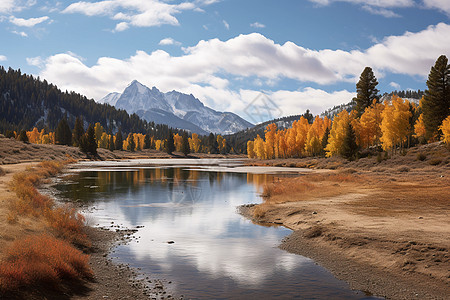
41,261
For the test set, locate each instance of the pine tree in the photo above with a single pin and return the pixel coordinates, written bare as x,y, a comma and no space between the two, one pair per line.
111,145
78,131
91,142
185,145
436,101
119,140
366,90
63,133
170,143
349,146
147,141
23,136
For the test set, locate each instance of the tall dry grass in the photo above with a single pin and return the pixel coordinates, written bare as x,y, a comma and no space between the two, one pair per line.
41,261
45,259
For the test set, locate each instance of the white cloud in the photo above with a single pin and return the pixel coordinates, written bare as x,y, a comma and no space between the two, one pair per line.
3,58
387,13
169,41
395,85
8,6
377,7
225,23
35,61
31,22
21,33
206,68
135,12
442,5
257,25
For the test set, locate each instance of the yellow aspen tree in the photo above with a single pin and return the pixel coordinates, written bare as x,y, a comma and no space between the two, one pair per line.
220,142
302,129
271,131
158,145
259,147
445,128
337,133
282,145
369,125
290,138
103,141
419,127
313,144
98,131
33,136
194,143
178,140
251,149
41,136
395,123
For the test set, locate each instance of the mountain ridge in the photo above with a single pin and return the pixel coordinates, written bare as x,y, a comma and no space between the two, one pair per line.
185,110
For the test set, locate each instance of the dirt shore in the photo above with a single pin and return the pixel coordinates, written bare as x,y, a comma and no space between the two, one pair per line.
385,233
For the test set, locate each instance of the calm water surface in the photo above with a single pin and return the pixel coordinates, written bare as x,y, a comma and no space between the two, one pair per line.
216,254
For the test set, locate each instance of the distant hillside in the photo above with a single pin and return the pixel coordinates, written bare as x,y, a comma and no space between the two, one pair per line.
27,102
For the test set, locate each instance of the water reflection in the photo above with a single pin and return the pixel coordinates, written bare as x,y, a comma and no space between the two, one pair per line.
217,253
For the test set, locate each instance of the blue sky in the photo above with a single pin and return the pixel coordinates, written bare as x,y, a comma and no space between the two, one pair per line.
302,54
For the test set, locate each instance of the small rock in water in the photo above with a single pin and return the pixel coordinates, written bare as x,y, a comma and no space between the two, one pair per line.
314,213
170,242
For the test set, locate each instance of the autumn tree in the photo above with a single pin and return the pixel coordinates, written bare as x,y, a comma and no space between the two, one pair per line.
366,90
251,149
131,144
445,128
111,144
369,125
436,101
194,143
63,133
271,131
337,133
395,124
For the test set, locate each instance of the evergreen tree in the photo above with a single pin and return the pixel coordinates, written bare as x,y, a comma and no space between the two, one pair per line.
111,145
325,139
308,116
147,141
349,146
83,144
63,134
212,144
23,136
436,101
170,143
131,145
119,140
185,145
366,90
91,142
78,131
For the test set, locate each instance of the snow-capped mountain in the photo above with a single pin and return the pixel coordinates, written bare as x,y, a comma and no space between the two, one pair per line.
175,109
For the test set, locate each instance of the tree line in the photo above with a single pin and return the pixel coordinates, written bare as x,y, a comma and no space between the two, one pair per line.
390,125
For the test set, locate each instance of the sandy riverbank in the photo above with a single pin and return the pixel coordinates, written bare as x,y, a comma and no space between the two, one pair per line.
385,233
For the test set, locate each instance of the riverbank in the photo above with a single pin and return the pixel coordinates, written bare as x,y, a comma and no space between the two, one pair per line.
109,280
386,233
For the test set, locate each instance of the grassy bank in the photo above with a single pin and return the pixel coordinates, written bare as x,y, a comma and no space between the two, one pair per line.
47,257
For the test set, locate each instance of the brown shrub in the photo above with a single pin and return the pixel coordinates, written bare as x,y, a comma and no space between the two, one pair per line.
435,162
41,260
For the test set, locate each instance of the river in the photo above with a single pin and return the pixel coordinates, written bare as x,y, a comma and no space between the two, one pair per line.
190,234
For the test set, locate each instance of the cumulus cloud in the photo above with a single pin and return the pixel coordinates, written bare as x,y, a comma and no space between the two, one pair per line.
442,5
135,12
35,61
206,68
169,41
8,6
395,85
257,25
31,22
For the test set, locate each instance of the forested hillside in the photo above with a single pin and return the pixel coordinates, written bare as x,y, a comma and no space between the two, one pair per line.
27,102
